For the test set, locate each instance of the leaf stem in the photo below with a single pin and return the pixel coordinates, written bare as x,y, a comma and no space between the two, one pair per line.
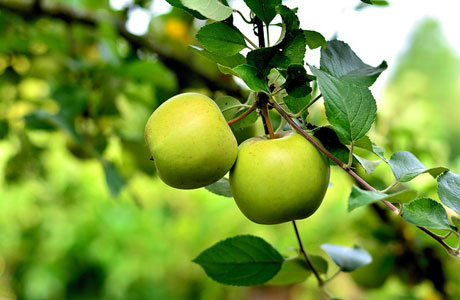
333,276
306,107
235,106
389,187
243,115
305,254
350,156
355,176
242,17
268,35
267,121
250,42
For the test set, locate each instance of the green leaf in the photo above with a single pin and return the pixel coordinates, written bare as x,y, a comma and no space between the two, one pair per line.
319,263
291,50
224,63
251,77
113,178
296,104
348,259
242,260
456,221
221,39
297,81
292,271
340,61
366,143
427,213
368,165
225,103
178,4
449,190
359,197
220,187
350,109
153,72
212,9
315,39
376,2
331,142
264,9
406,167
290,21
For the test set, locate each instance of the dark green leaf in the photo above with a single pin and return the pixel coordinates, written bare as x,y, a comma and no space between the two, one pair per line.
350,109
242,260
220,187
331,142
456,221
319,263
292,271
251,77
221,39
341,62
296,104
113,178
290,21
348,259
315,39
449,190
359,197
291,50
212,9
406,167
297,81
426,212
376,2
178,4
264,9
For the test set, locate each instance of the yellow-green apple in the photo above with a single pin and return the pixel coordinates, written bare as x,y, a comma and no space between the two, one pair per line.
191,144
279,180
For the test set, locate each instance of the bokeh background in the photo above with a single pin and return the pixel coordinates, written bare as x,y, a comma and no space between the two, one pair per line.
82,214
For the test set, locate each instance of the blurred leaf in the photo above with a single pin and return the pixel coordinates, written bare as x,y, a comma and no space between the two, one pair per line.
376,2
252,261
3,129
348,259
341,62
220,187
221,39
426,212
225,103
406,167
366,143
113,178
292,271
212,9
150,71
449,190
359,197
315,39
297,81
264,9
178,4
319,263
251,77
350,109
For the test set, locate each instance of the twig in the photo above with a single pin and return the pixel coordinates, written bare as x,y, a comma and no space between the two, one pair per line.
243,115
268,122
305,254
242,17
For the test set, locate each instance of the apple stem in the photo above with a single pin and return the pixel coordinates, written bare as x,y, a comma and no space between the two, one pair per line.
305,254
267,121
361,181
243,115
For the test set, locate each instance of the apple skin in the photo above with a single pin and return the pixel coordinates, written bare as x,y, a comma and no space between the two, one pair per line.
190,141
279,180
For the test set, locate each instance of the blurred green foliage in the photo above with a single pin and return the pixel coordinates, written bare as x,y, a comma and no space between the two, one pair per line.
82,215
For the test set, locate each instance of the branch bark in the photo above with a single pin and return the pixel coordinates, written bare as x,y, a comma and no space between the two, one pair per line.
182,66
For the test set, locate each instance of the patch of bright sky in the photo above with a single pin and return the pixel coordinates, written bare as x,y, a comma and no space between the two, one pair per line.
375,33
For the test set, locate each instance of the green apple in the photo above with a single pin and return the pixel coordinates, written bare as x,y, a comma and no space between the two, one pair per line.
279,180
190,141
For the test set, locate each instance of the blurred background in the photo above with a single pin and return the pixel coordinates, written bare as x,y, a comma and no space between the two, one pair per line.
82,214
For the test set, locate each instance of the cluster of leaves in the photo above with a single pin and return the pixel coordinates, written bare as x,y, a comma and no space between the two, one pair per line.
343,79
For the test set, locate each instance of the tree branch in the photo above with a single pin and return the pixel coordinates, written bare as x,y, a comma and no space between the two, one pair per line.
361,181
182,66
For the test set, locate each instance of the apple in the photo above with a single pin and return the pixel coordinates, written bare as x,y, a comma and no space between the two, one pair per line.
279,180
190,141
